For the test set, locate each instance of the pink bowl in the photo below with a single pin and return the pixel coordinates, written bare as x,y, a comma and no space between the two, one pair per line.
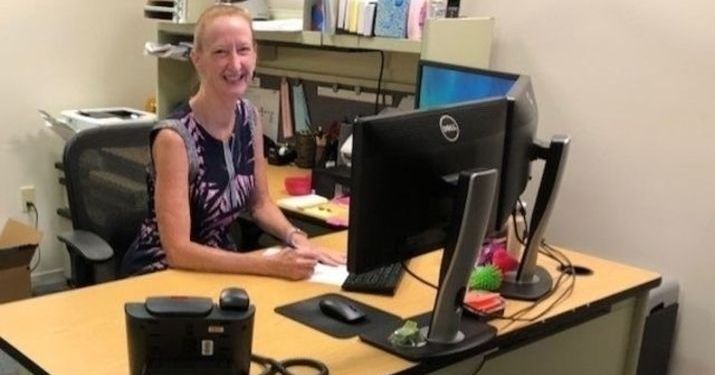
297,185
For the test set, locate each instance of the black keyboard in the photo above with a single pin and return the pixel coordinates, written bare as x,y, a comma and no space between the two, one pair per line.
382,280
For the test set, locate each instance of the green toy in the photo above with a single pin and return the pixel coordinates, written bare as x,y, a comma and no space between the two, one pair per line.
407,335
487,277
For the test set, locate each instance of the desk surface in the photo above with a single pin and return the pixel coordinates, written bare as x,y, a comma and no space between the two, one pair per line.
277,174
82,331
276,187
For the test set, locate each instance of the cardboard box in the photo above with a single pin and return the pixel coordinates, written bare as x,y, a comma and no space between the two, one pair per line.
17,246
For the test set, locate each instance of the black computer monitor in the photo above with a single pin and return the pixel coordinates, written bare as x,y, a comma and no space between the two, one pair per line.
441,84
421,181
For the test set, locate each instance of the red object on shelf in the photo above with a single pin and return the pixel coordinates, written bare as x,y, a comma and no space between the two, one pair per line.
297,185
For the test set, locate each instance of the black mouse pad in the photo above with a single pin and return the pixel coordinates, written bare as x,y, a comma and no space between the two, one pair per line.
308,312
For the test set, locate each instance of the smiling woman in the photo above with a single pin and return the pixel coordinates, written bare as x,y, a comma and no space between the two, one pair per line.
224,51
208,165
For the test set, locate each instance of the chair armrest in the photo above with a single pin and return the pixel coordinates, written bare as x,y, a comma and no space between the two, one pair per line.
86,244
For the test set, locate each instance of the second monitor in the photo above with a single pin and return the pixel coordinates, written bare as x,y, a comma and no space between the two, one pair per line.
442,84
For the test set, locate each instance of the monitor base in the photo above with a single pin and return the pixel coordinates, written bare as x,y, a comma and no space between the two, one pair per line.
476,334
528,291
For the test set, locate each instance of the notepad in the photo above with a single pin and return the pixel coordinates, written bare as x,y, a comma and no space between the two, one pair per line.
301,202
334,212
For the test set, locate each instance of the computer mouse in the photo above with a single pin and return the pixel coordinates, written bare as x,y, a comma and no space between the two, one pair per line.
341,310
233,299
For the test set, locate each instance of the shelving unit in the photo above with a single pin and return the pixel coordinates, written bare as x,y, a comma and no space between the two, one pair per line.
340,59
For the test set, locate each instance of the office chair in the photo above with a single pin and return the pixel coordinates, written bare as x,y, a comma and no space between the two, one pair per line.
105,176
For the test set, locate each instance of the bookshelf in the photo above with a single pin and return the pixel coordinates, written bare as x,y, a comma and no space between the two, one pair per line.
338,59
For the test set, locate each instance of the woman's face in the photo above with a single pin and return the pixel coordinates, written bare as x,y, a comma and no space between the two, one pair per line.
227,57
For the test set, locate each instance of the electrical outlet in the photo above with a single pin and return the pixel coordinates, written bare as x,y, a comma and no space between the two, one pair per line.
27,194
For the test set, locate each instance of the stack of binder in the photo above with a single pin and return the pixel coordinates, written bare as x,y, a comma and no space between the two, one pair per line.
356,16
385,18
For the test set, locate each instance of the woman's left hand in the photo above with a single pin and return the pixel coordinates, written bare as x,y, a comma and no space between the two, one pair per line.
303,245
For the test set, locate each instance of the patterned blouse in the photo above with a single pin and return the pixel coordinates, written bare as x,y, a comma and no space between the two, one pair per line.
221,184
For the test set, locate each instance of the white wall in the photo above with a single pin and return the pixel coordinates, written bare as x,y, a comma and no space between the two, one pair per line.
633,82
58,55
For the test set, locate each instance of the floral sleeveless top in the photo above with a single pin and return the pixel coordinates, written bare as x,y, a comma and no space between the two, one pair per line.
221,184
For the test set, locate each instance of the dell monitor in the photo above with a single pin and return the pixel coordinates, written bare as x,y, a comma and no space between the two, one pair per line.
421,181
441,84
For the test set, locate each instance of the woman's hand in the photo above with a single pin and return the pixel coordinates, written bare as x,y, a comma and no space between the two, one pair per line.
293,265
303,245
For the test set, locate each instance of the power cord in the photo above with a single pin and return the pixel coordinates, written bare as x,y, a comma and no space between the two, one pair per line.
547,250
521,210
275,367
566,266
33,208
379,82
379,92
481,364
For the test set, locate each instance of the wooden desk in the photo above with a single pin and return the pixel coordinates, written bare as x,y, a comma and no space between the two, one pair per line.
82,331
276,176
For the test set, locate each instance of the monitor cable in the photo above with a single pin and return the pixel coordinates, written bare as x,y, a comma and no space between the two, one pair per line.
417,277
481,364
565,276
379,83
31,206
379,92
521,211
548,251
274,367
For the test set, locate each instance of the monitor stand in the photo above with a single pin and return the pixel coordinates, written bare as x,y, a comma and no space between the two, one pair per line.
531,282
445,331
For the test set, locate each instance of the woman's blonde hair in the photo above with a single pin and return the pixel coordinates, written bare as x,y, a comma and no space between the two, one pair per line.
215,11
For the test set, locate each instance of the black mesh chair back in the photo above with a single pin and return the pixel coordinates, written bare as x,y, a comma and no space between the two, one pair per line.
105,173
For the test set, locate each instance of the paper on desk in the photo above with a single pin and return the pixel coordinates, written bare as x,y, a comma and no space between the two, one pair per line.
301,202
333,275
267,103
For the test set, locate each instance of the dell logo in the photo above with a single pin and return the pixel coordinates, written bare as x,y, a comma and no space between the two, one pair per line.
449,127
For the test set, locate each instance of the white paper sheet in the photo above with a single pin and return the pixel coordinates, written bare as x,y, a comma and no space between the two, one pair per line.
287,25
322,273
329,274
267,103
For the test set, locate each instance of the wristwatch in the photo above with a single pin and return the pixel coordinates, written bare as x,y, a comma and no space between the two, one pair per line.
290,234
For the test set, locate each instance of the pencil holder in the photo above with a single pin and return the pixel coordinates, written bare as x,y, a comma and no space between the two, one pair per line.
305,148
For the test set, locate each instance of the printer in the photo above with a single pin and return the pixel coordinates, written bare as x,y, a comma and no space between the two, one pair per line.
80,119
73,121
